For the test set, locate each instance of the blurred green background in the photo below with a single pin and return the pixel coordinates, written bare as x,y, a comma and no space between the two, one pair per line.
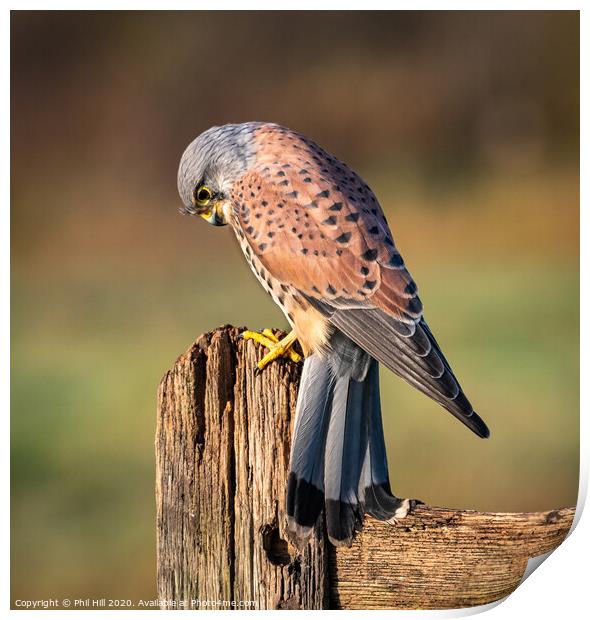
466,125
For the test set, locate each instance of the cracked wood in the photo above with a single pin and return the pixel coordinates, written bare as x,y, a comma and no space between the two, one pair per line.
222,452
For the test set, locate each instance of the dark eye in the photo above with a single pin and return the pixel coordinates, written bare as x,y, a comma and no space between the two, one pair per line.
203,195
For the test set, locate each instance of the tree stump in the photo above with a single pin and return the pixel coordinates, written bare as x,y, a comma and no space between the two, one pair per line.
222,454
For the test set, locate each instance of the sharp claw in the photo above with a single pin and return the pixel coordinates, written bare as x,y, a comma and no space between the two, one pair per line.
276,348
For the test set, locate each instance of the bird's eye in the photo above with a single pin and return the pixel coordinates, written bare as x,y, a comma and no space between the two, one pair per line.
203,195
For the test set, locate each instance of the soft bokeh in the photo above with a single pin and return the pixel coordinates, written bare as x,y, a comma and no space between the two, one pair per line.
466,126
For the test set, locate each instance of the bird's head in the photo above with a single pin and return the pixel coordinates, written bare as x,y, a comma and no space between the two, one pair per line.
210,166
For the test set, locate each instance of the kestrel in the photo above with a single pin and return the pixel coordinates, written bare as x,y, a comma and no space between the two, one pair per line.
318,242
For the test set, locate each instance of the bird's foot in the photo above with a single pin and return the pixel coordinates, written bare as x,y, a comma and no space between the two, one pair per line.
276,348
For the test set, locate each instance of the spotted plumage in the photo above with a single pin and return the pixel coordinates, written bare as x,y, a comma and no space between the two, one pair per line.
316,238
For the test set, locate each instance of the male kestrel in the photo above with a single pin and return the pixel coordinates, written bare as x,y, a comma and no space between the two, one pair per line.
318,242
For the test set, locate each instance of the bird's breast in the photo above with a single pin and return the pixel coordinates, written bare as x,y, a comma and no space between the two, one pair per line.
311,327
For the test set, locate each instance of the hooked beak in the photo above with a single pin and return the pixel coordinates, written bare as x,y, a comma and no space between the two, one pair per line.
213,215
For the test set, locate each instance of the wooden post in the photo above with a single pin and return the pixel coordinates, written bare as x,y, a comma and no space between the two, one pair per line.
222,452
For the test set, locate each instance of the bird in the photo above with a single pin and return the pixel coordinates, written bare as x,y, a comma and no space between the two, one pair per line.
316,238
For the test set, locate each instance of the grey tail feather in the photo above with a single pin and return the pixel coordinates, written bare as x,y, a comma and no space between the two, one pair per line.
338,460
305,487
379,500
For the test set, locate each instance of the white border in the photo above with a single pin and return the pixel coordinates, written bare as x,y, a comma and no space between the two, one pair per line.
559,588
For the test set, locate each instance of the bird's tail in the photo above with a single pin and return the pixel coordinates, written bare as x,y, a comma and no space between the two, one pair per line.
338,457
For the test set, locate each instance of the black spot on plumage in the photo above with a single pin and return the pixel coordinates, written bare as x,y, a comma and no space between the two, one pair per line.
337,206
374,230
264,203
343,238
371,255
312,205
389,241
396,260
250,230
411,288
307,180
262,247
330,290
364,270
271,235
303,171
293,229
415,305
338,252
352,217
285,182
316,253
330,221
280,173
370,284
292,194
315,289
304,251
324,194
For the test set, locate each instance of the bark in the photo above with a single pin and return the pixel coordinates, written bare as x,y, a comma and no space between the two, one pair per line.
222,453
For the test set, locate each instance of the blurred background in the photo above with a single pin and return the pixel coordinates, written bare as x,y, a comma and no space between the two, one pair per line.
466,126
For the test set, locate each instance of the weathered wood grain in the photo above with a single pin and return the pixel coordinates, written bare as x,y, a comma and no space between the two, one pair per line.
442,559
222,451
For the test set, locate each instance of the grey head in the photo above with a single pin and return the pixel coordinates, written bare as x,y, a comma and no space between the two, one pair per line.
211,164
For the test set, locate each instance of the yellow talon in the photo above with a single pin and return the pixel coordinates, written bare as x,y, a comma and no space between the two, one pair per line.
269,334
276,348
